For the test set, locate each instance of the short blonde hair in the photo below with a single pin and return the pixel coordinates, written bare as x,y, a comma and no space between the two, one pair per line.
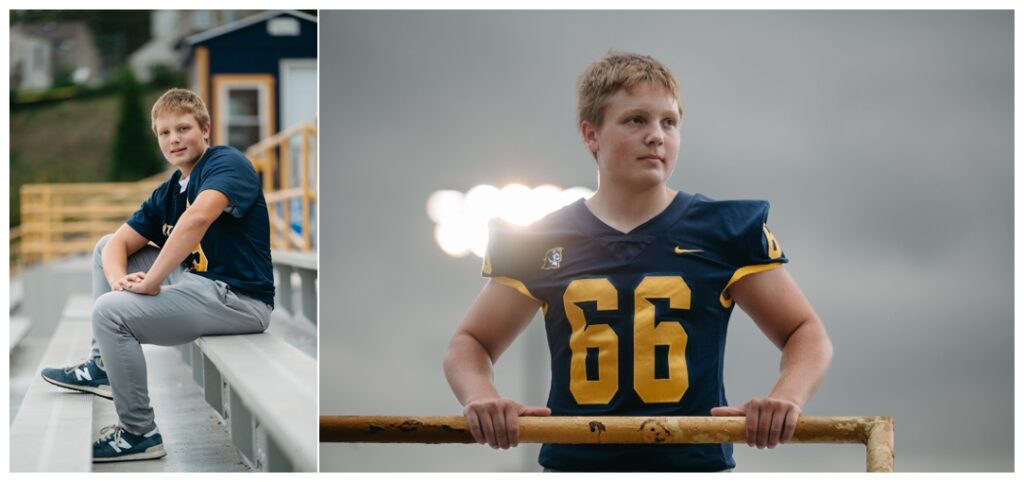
181,101
614,72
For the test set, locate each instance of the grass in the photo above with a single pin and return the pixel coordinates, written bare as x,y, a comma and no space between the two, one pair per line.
66,142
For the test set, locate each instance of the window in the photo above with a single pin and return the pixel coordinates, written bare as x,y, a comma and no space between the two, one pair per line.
243,111
283,27
243,116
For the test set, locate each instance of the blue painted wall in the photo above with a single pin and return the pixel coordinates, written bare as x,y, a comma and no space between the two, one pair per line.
252,50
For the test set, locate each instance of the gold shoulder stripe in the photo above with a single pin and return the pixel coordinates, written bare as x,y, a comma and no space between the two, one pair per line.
521,288
724,298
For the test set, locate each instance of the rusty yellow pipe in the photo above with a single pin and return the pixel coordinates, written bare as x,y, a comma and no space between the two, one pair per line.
874,432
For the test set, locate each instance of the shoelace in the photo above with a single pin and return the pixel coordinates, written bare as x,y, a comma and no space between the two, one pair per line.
111,432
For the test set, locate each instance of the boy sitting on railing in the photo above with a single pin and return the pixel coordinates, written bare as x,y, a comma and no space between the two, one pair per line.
211,275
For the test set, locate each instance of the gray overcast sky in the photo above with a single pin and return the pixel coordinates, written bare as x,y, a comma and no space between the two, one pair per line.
884,141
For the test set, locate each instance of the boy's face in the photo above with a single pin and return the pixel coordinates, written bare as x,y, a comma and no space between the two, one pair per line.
637,144
182,140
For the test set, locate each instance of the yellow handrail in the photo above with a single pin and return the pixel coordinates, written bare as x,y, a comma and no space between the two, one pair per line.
15,252
64,219
273,158
876,433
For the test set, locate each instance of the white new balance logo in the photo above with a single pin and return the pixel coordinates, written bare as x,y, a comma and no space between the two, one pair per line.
82,373
119,444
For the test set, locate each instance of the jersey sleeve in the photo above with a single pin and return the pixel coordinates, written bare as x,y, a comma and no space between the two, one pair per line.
751,246
147,220
752,242
233,175
510,258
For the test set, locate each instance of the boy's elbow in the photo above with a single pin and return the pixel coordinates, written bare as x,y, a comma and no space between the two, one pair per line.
447,360
451,356
825,348
114,245
198,220
463,348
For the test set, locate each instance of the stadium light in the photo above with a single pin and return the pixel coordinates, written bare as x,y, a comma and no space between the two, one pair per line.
461,219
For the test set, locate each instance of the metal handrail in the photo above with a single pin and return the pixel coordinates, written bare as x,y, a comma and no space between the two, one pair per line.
876,433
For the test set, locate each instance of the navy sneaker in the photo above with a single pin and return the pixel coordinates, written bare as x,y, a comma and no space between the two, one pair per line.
117,445
87,377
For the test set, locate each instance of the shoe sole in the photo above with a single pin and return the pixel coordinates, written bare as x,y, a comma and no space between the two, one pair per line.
100,392
150,453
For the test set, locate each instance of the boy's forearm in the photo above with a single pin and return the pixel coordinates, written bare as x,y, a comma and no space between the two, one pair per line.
805,360
115,261
469,370
183,239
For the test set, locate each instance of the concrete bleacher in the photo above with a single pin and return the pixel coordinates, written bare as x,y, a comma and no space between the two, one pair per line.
195,437
266,391
256,394
19,324
19,328
304,264
17,292
78,307
264,385
53,429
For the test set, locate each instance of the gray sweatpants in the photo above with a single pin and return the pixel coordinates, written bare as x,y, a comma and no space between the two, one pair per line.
187,307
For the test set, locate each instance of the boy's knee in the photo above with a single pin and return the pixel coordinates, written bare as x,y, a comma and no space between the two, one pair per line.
109,307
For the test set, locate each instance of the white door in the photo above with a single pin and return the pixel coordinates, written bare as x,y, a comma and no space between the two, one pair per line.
298,105
298,91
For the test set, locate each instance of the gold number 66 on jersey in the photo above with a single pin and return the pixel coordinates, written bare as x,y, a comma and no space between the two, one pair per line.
647,333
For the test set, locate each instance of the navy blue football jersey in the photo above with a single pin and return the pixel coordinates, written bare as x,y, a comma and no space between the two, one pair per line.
636,322
236,247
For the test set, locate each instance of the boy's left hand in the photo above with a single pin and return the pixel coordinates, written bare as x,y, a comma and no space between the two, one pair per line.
143,286
770,421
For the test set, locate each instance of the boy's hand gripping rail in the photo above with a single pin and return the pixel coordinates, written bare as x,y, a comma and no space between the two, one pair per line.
874,432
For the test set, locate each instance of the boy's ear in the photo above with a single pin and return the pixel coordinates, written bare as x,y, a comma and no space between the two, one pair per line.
589,133
206,132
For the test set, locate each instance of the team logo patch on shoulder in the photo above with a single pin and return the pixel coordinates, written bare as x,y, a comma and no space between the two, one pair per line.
774,249
553,258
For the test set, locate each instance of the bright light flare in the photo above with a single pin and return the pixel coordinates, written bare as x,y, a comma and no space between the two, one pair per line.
515,204
452,236
461,219
570,195
445,204
483,202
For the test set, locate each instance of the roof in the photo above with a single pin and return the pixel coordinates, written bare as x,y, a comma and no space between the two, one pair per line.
245,22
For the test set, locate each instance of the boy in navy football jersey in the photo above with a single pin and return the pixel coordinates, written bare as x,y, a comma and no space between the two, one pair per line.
211,275
637,284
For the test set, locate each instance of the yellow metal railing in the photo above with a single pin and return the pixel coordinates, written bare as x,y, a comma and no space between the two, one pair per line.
64,219
15,251
875,433
277,159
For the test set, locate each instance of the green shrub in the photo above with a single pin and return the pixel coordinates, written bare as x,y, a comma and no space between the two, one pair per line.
135,153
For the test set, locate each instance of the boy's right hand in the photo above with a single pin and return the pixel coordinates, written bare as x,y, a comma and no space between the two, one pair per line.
495,421
131,278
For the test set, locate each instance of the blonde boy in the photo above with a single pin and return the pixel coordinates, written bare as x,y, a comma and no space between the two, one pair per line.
211,274
637,284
